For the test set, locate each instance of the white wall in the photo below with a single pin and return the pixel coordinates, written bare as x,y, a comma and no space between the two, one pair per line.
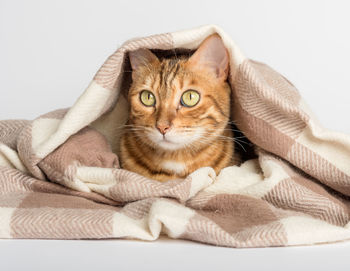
50,50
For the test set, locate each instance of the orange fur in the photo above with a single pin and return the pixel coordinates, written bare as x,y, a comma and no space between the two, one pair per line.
197,136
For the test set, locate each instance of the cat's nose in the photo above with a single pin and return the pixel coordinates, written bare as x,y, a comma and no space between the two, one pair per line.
163,128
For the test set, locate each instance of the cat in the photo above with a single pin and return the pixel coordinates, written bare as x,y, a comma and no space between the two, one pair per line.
179,117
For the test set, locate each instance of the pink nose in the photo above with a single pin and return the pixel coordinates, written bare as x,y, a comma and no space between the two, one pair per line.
163,128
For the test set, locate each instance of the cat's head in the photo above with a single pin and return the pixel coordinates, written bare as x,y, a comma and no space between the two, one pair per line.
180,102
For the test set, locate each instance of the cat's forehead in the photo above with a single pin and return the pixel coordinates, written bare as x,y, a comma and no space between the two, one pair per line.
168,76
170,68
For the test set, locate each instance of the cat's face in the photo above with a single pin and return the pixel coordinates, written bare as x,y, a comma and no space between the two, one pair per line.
180,103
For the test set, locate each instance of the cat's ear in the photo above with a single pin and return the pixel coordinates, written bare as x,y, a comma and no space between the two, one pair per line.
212,54
141,57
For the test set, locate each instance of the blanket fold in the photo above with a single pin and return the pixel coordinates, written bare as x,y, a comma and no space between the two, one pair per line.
60,176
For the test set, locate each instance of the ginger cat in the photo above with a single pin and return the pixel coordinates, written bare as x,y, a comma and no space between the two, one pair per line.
179,117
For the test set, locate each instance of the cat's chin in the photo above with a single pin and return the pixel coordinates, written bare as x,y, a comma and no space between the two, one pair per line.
168,145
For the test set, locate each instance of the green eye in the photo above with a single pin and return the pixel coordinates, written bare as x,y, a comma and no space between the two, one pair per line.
190,98
147,98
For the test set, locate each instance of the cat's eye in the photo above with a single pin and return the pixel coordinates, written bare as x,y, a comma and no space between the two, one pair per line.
190,98
147,98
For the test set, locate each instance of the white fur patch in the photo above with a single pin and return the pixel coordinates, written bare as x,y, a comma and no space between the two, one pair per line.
173,139
173,166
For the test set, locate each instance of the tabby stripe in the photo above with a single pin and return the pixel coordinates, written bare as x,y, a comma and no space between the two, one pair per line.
202,149
221,156
197,112
161,76
141,163
177,69
211,118
166,75
170,70
137,112
131,142
217,105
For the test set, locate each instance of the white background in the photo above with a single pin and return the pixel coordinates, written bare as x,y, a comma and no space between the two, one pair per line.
50,50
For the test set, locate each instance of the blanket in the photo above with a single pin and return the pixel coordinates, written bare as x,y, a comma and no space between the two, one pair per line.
60,176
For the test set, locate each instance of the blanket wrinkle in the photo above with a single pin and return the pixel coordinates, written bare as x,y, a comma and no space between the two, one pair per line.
60,176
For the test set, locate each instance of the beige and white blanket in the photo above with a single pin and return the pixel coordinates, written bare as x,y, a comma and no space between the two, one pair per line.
59,178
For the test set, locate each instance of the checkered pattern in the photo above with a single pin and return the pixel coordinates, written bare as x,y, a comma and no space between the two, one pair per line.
60,176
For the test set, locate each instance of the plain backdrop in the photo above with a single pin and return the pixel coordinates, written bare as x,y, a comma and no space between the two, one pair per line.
50,50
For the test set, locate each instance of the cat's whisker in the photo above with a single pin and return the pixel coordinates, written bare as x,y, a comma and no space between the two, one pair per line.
130,125
215,148
233,140
192,146
239,142
241,146
221,136
212,129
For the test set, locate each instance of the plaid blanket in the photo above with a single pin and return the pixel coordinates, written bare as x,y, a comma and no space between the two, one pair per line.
60,177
